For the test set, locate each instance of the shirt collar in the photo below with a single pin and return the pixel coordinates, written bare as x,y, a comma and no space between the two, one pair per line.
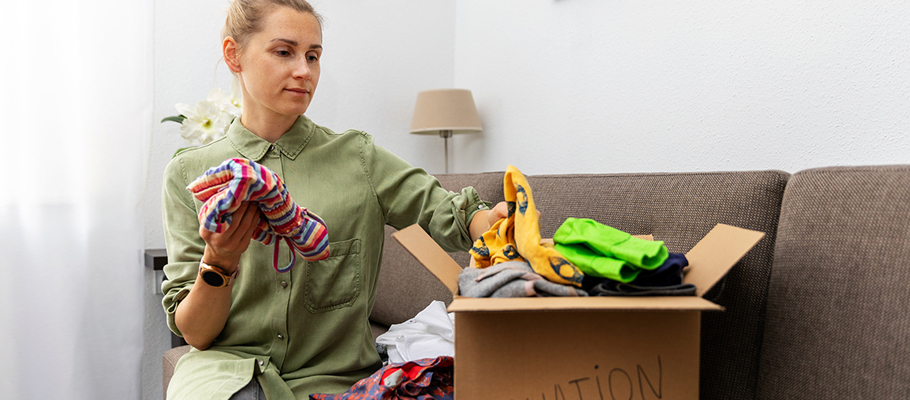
254,147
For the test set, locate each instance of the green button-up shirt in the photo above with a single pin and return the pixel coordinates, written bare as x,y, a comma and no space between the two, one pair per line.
305,331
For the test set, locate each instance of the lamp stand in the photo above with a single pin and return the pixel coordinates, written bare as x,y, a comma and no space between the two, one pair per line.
446,134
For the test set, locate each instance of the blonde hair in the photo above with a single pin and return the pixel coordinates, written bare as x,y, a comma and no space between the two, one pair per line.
244,17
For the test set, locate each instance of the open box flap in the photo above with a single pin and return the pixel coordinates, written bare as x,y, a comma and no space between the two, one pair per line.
716,253
434,258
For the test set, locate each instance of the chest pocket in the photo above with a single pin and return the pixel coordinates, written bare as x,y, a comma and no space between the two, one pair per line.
334,283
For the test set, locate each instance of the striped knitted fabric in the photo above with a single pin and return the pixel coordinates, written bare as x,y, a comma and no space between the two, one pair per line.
223,188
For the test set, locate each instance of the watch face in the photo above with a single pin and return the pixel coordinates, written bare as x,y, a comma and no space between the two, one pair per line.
213,278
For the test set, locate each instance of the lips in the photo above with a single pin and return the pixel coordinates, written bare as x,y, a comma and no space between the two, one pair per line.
298,91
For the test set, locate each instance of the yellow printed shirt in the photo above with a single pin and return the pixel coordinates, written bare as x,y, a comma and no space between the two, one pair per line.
517,237
307,330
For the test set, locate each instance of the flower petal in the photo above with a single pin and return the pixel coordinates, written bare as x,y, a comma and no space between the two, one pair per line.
186,110
192,131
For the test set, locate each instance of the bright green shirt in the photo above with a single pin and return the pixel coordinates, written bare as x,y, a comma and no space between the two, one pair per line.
305,331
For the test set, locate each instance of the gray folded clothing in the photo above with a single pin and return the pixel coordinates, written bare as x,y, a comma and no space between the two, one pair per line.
510,279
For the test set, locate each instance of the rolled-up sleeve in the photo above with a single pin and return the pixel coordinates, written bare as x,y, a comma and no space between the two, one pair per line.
409,195
181,233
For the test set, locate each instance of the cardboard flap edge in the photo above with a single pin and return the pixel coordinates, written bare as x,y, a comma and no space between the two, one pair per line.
716,253
649,303
417,242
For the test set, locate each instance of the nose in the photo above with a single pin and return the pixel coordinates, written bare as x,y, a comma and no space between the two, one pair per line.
301,69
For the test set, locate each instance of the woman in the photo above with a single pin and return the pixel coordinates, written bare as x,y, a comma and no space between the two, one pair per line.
305,331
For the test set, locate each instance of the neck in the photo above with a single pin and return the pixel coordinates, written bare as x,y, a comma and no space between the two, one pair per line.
270,129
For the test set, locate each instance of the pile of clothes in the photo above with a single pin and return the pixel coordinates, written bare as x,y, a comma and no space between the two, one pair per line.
417,358
587,258
423,379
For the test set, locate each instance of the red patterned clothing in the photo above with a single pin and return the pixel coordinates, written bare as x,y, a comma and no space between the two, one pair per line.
424,379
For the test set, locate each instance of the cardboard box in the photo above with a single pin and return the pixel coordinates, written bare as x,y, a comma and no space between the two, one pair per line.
564,348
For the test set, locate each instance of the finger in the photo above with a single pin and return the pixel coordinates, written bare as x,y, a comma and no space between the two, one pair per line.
501,210
219,240
496,213
247,223
237,217
205,234
253,224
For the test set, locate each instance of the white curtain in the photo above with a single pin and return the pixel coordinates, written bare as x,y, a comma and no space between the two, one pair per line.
75,102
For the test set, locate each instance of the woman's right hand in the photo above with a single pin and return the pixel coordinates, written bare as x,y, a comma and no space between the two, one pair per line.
201,316
224,249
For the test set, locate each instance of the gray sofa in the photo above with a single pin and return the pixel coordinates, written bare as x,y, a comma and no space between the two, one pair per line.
820,308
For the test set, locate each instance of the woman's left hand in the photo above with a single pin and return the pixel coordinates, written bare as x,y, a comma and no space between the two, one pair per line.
484,220
498,212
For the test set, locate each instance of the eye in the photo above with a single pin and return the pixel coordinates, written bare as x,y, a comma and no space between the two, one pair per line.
282,53
312,57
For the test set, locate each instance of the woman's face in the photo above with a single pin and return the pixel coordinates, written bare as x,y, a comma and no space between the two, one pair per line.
279,66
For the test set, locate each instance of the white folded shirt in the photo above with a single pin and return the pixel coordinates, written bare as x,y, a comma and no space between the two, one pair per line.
430,334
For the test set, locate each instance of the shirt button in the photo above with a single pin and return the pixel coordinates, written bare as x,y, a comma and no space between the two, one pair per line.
481,207
261,363
284,284
280,337
272,147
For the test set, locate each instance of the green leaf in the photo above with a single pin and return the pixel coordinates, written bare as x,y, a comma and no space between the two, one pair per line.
176,118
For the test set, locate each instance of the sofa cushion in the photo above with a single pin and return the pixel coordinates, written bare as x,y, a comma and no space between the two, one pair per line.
169,361
838,312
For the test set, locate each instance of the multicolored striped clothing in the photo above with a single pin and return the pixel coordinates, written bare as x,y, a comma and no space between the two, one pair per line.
225,187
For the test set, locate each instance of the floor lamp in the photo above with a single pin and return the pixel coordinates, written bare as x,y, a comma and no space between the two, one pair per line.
445,112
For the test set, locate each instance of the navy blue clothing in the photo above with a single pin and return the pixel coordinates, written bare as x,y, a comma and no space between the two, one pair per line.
666,280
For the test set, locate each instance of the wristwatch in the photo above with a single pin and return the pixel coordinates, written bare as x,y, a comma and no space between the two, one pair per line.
215,276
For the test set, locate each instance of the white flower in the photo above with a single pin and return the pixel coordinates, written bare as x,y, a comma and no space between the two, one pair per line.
211,117
229,103
204,123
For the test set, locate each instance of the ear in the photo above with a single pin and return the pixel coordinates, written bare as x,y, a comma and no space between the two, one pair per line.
230,53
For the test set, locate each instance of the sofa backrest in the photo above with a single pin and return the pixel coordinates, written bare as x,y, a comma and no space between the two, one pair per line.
838,313
678,208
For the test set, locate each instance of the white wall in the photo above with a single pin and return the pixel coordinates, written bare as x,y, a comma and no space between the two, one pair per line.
186,66
618,86
578,86
378,55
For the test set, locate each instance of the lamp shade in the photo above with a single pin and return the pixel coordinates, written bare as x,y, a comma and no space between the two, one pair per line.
445,110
